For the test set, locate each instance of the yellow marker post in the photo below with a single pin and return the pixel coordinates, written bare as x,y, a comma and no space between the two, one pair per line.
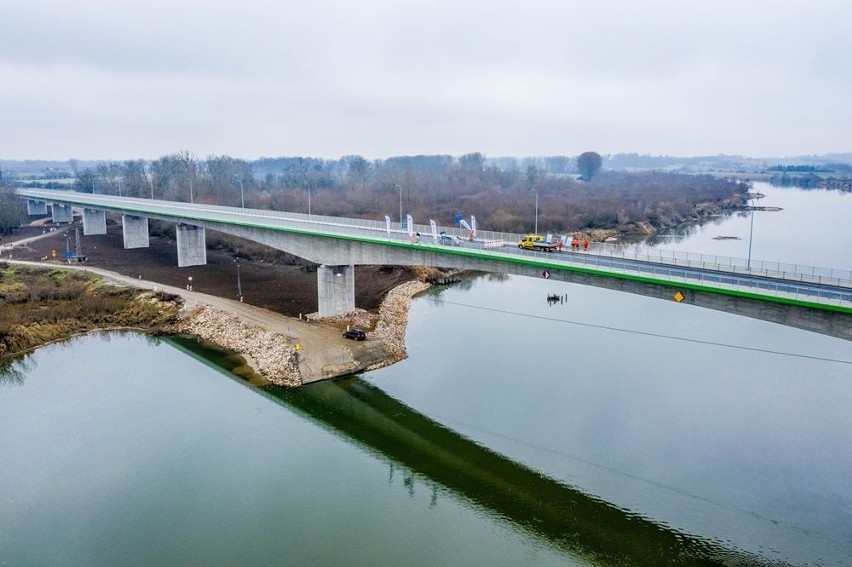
678,296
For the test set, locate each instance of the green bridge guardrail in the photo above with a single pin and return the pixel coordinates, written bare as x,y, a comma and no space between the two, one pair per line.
828,286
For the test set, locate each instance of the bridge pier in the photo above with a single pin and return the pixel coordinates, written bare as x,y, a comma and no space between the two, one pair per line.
61,213
94,222
336,289
36,207
191,245
135,231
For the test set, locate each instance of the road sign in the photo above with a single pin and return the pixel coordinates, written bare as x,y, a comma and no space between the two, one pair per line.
678,296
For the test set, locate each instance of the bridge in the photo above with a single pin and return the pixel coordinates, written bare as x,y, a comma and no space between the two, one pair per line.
811,298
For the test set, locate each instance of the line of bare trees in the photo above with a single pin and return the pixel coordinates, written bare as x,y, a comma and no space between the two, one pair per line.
501,195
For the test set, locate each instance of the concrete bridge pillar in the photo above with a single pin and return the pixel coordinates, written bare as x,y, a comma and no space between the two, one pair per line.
62,213
191,245
135,231
94,222
336,288
36,207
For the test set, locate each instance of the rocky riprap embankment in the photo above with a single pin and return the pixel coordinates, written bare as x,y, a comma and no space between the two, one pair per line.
393,318
388,326
271,355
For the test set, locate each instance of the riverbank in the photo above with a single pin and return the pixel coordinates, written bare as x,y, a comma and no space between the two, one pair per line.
39,306
44,303
271,328
311,349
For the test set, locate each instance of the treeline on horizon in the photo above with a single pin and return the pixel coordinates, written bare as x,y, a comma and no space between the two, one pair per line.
500,192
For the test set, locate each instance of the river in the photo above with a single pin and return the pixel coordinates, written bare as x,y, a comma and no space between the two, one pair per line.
606,429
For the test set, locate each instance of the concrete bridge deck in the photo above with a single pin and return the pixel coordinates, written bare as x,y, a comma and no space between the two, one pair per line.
339,243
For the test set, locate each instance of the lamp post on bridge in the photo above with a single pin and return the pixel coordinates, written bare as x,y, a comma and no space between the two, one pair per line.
536,209
750,235
400,204
242,196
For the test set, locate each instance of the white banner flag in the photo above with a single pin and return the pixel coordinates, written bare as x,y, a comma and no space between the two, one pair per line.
434,228
410,223
387,224
472,226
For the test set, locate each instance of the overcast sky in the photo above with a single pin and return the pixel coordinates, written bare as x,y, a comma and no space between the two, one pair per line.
115,79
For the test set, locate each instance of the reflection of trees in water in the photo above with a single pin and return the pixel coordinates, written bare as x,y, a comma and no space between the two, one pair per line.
466,281
681,233
811,181
14,372
152,340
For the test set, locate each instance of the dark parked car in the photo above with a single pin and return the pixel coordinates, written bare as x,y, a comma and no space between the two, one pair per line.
355,334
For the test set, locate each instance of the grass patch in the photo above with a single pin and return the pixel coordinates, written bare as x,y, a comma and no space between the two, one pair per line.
40,306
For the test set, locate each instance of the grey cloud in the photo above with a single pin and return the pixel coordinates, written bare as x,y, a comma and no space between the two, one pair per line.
377,78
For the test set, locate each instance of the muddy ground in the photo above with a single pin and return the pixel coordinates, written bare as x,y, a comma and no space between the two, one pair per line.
288,286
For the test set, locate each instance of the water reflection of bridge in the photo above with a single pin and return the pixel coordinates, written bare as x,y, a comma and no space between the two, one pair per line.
575,522
814,299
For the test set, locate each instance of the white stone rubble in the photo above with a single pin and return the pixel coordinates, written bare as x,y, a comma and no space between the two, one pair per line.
271,355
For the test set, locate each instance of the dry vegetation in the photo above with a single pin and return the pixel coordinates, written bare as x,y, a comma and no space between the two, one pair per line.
39,306
499,193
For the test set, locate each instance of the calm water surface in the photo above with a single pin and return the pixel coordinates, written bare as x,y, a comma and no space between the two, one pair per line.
609,429
810,230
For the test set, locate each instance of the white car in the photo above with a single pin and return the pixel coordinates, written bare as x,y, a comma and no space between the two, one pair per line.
449,239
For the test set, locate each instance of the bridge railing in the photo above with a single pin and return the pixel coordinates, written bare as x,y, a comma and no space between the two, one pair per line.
790,271
660,256
720,278
781,270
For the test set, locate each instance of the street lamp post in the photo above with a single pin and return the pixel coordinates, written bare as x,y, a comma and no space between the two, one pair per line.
536,209
309,200
239,284
242,196
190,191
119,187
400,204
151,184
750,235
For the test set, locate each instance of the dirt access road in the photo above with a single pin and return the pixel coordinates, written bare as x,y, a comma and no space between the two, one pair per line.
268,278
323,351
